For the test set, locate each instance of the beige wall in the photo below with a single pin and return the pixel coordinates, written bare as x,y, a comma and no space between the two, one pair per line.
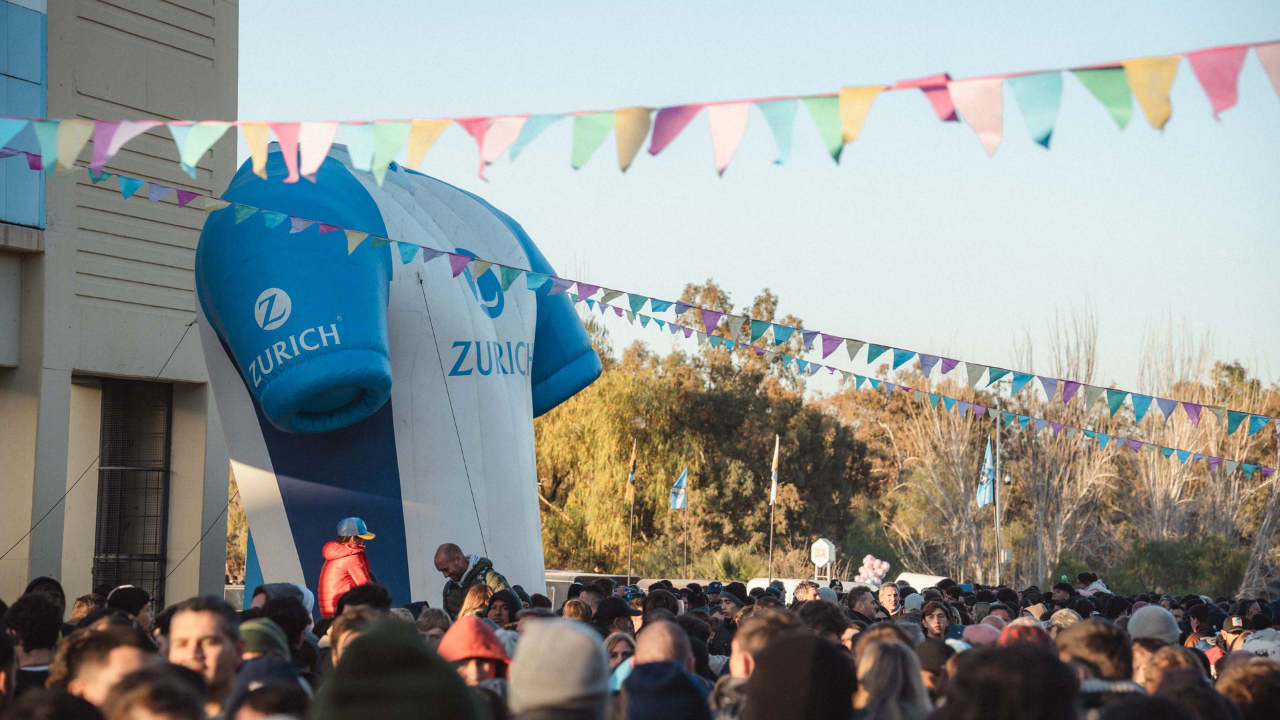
107,287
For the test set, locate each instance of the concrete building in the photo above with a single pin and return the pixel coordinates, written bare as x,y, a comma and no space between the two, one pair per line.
111,450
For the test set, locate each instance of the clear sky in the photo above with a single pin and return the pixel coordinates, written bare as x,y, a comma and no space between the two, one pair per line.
916,239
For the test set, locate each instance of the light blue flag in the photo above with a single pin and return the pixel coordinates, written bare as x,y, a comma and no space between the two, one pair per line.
1103,439
986,484
1141,403
1039,96
901,356
759,328
9,128
994,374
949,402
1008,419
782,333
1257,422
801,364
1182,456
680,491
531,129
781,116
1020,380
1022,422
659,305
129,186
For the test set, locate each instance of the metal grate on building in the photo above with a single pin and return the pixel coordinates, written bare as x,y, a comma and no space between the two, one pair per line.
131,535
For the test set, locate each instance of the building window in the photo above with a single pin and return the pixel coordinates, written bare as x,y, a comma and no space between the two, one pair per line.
23,93
133,486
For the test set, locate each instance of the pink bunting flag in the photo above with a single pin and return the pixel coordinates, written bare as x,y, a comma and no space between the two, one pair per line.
476,127
1069,390
668,124
935,89
710,318
829,344
156,193
728,124
1269,56
1193,412
618,311
326,228
314,140
458,262
102,132
186,196
948,365
297,225
1218,70
499,136
981,105
126,131
287,134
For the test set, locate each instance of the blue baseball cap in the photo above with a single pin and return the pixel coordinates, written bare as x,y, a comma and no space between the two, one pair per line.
714,588
354,527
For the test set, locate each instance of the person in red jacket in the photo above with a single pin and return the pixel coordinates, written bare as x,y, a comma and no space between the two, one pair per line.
345,564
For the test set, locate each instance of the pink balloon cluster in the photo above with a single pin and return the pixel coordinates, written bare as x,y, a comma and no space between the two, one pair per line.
872,571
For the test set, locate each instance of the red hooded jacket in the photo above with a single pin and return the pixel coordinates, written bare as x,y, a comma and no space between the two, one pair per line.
345,567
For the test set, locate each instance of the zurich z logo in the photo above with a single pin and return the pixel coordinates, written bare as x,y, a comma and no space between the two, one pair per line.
272,308
486,288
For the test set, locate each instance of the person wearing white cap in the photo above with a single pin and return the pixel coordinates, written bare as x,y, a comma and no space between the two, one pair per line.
345,564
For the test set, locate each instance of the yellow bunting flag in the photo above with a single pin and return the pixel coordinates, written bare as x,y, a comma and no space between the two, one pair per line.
354,238
212,204
72,135
855,103
422,136
256,135
631,126
478,268
1151,79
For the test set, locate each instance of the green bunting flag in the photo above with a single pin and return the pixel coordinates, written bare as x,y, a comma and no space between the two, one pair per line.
1115,398
933,401
636,301
508,276
589,132
875,351
759,328
994,374
243,212
1111,87
1234,418
825,112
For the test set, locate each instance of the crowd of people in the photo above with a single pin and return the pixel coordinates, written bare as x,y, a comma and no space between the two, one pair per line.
616,652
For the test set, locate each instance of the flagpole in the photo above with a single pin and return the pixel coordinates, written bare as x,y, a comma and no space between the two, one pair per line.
996,481
686,531
631,491
773,498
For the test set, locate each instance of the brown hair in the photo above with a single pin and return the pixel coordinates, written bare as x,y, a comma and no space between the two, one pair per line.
883,631
86,648
433,619
477,600
1100,646
755,632
575,609
159,690
1255,686
1166,659
353,620
86,604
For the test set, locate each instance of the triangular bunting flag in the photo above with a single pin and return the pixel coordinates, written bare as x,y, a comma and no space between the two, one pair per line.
1218,412
995,374
975,373
1230,466
1091,395
1234,418
728,123
781,116
558,285
829,344
1140,405
782,333
1050,386
759,328
589,132
1115,398
531,129
636,302
185,196
934,88
156,192
926,363
855,103
1111,87
534,281
129,186
875,351
610,295
422,135
1257,422
980,104
585,290
1182,456
507,276
1039,96
630,128
1150,79
668,123
710,318
659,305
458,263
1069,389
314,140
1218,71
852,347
1193,411
408,251
429,254
272,219
948,364
325,228
1020,380
734,323
901,356
950,403
825,112
297,225
243,212
1166,451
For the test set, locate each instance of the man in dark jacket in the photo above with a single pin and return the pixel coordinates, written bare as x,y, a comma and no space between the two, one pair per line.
345,564
461,572
862,604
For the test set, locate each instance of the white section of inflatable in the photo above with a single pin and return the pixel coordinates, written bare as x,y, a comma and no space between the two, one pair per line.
449,428
250,461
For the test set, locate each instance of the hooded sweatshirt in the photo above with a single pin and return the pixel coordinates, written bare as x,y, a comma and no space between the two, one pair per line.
345,567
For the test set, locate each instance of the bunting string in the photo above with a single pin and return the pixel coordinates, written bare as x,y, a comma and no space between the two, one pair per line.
934,399
735,325
838,117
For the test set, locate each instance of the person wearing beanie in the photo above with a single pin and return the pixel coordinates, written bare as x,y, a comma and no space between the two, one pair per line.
503,606
913,603
253,674
480,658
263,638
803,677
392,675
663,690
933,656
1153,621
135,601
738,590
730,606
560,672
1061,620
828,594
981,634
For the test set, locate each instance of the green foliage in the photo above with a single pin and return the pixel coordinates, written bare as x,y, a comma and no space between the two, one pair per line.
866,535
717,413
730,563
1214,566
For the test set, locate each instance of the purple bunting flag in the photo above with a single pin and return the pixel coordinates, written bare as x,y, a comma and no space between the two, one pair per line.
1193,412
808,336
710,318
297,225
964,407
927,362
1214,462
429,254
948,365
1050,386
829,344
186,196
1135,445
978,410
326,228
1069,389
682,308
457,263
1056,428
585,290
156,193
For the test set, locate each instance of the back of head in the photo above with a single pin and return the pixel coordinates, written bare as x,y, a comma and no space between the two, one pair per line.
41,704
87,648
35,619
389,674
757,631
129,598
663,641
801,676
661,690
373,595
156,691
1100,647
822,617
288,612
661,599
889,683
1254,686
1145,708
1154,621
471,637
559,665
1009,683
